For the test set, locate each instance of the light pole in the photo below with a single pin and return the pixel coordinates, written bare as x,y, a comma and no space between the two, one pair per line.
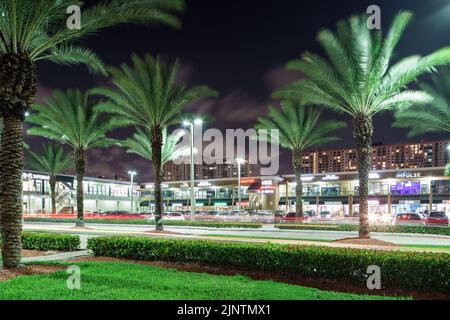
239,162
132,174
190,124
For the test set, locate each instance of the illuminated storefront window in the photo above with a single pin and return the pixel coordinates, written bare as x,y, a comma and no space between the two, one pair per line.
405,188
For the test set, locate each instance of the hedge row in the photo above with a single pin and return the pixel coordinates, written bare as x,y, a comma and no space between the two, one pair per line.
196,223
373,228
407,270
50,241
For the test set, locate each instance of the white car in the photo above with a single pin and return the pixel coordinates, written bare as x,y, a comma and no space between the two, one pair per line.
174,216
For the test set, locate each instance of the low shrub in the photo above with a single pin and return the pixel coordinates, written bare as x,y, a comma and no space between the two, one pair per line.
195,223
50,241
406,270
373,228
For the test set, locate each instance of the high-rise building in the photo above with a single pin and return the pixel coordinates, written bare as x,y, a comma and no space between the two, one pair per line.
384,157
181,172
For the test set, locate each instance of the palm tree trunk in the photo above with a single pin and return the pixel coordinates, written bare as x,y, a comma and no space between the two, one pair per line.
52,183
157,141
11,163
17,90
80,167
298,166
362,133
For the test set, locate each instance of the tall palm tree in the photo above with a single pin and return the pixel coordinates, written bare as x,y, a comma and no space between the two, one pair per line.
299,127
357,79
434,117
73,118
36,30
54,161
147,96
140,144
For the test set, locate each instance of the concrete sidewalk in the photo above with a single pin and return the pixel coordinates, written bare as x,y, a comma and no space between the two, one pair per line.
58,257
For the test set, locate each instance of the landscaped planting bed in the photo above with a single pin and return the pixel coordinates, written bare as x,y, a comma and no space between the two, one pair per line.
402,270
212,224
373,228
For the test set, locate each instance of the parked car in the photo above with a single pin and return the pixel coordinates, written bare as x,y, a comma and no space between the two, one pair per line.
408,219
174,216
292,217
437,218
326,215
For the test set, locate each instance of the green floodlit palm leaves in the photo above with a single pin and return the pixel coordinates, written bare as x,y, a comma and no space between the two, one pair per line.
146,95
433,117
38,27
54,161
73,118
299,127
141,145
357,77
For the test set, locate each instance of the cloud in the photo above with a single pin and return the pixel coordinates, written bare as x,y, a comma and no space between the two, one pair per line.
278,77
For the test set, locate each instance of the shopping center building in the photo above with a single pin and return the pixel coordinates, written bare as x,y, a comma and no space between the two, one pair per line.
391,191
99,194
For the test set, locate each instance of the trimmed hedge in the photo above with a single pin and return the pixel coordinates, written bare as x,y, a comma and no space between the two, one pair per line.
188,223
50,241
373,228
406,270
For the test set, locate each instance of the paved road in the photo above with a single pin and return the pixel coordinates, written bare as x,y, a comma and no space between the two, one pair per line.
266,232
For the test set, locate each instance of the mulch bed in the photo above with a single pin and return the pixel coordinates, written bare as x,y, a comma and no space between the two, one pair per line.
36,253
366,242
6,274
319,283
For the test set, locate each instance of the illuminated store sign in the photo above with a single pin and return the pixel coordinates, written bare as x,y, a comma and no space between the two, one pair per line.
330,177
407,174
374,175
31,176
204,184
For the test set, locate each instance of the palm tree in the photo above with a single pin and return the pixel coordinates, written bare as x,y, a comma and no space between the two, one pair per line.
141,145
36,30
73,118
299,127
147,96
434,117
357,79
53,160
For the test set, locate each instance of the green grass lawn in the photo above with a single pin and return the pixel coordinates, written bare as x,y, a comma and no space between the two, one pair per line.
120,280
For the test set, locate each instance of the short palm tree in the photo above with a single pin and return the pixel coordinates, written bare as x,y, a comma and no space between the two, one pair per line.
433,117
140,144
357,79
54,161
72,118
299,127
146,95
36,30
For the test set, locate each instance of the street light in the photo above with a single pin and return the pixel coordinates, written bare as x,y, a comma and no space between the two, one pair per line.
239,162
132,174
190,124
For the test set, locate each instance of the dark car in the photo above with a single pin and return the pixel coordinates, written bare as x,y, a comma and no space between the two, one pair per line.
408,218
326,214
437,218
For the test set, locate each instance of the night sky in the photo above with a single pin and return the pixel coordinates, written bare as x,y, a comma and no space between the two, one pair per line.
240,47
